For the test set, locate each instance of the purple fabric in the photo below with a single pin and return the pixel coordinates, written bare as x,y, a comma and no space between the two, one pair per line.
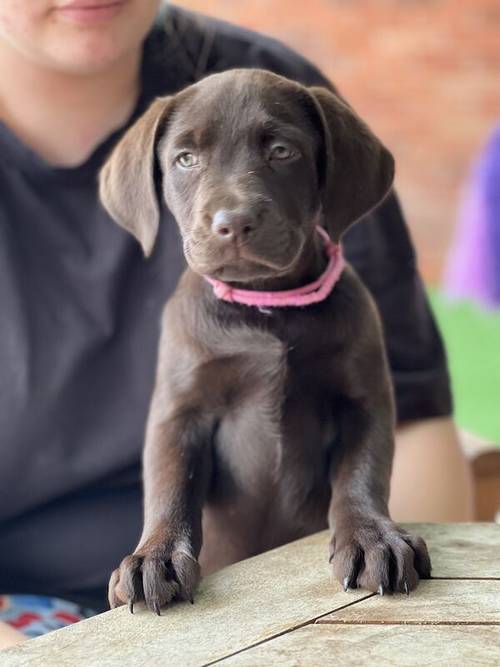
473,269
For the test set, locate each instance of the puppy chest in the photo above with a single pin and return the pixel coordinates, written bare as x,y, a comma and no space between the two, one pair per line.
277,430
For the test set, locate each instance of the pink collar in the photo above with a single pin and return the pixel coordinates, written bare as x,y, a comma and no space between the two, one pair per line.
302,296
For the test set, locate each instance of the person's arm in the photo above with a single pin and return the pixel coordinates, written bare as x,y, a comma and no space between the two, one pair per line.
9,636
431,480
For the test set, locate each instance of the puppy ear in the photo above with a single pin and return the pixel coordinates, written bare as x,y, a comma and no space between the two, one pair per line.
127,179
356,170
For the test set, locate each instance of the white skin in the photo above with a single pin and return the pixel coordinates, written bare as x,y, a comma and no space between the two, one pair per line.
66,82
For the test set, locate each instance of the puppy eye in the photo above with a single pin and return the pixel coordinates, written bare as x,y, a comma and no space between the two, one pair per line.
187,160
280,152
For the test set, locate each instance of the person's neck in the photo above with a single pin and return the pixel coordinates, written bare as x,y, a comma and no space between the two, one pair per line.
63,117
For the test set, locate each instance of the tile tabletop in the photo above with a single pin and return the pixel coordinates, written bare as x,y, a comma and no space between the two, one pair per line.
284,608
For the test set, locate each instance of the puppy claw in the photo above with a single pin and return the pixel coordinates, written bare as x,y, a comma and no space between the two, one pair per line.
346,584
405,586
381,590
191,600
157,608
131,606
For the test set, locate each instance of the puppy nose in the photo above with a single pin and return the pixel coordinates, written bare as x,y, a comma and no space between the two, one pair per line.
231,225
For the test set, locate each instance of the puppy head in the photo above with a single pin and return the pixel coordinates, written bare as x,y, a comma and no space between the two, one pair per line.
250,162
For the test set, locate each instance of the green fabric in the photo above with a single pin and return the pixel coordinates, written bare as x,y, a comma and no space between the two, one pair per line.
472,339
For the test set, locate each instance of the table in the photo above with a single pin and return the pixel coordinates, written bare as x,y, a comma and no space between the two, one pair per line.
284,608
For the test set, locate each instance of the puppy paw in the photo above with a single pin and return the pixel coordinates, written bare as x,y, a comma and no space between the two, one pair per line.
378,555
155,576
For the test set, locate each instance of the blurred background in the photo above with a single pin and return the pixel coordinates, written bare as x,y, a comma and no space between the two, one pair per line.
425,74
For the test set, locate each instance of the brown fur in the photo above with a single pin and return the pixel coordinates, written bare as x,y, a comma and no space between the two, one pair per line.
265,426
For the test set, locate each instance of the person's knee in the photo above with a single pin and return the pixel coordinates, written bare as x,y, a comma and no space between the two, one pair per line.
9,636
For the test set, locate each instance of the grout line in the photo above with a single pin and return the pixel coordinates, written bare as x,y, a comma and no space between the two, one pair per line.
317,619
463,579
311,621
367,622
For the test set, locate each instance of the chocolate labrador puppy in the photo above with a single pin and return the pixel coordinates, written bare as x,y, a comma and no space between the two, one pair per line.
267,421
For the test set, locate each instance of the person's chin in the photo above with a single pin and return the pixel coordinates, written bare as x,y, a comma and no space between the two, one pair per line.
87,54
94,48
77,55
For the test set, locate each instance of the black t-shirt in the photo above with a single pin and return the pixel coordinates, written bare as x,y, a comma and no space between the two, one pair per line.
79,326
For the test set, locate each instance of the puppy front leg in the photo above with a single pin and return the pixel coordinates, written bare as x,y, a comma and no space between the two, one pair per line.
368,550
177,470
